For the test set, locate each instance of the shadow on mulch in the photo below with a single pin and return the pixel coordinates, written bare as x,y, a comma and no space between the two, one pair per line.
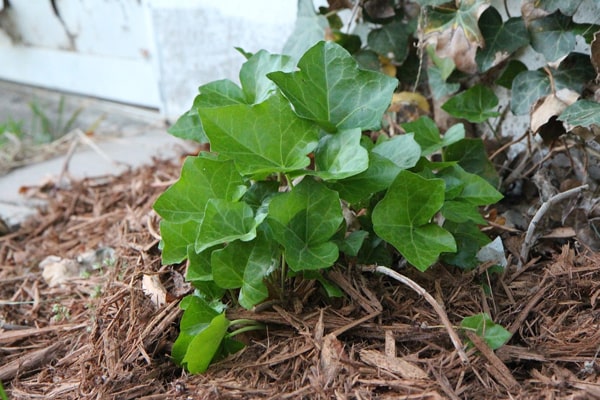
98,336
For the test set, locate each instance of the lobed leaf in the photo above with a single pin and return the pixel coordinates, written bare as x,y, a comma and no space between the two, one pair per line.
196,317
427,135
386,160
253,75
340,155
474,189
331,90
175,239
244,265
582,113
403,218
494,335
501,38
391,41
225,221
476,104
263,138
309,29
552,36
205,345
403,151
469,239
202,178
303,221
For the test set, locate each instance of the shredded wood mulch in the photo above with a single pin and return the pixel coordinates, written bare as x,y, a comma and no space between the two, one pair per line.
97,335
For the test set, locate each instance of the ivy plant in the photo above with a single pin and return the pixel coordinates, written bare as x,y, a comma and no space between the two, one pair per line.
461,54
290,169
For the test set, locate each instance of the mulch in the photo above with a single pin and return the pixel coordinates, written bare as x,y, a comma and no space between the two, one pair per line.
100,336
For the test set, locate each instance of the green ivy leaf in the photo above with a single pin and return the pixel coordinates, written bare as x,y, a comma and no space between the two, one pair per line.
176,237
205,345
470,154
464,17
565,7
309,29
303,222
245,265
494,335
527,87
196,317
351,244
390,41
461,211
386,160
440,88
225,221
259,193
427,135
403,218
218,94
367,59
189,127
475,190
552,36
199,267
202,178
263,138
574,72
214,94
509,73
331,289
469,239
379,176
340,155
253,75
476,104
331,90
501,38
582,113
403,150
445,65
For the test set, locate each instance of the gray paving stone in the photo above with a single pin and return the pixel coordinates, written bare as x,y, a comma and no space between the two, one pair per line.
128,137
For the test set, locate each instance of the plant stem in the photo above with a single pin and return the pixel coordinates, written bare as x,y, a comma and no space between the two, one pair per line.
290,182
283,274
529,239
246,329
243,321
436,306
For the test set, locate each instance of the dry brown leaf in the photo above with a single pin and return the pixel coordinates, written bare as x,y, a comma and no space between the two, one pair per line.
595,54
529,11
402,99
405,369
154,289
332,352
58,270
563,232
545,112
455,45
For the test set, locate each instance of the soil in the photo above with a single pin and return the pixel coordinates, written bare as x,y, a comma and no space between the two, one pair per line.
99,335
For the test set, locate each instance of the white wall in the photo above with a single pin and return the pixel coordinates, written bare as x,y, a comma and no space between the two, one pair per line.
152,53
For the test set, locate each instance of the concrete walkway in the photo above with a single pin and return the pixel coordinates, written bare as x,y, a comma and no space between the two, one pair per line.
126,136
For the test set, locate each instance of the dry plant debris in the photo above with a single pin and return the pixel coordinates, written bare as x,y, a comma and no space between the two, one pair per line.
99,336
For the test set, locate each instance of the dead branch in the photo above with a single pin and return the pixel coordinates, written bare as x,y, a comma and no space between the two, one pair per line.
436,306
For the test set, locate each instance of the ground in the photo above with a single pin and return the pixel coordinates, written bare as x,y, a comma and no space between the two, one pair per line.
98,335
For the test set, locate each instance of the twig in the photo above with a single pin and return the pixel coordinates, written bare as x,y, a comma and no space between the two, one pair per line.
529,239
436,306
